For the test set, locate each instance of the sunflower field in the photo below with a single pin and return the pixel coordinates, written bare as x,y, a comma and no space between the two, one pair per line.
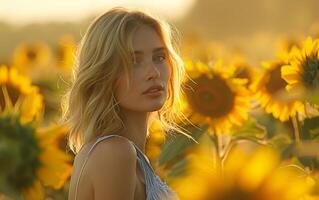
256,126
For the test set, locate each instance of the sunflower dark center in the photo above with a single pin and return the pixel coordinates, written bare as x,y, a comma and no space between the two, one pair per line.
210,97
311,73
31,54
275,83
61,53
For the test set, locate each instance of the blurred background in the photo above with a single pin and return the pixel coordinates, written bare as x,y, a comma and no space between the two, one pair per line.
247,25
256,119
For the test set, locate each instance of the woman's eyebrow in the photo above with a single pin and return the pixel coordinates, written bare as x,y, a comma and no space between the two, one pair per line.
160,49
154,50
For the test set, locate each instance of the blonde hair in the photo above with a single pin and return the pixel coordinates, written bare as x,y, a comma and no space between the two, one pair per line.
89,107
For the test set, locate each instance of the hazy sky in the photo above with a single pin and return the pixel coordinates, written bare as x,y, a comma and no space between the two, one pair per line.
26,11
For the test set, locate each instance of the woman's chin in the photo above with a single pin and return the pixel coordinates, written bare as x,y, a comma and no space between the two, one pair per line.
155,107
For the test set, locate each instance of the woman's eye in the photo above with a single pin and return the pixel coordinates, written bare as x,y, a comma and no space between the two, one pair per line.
160,58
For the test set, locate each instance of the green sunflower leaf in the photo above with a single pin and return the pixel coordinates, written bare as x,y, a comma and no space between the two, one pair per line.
249,130
178,168
310,129
309,161
177,144
312,97
283,143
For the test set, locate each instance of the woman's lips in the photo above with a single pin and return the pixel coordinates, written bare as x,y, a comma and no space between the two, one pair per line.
154,93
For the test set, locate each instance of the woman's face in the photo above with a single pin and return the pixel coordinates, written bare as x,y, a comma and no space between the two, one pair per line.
151,68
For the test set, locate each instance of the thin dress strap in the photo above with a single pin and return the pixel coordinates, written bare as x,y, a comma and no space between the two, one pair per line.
92,147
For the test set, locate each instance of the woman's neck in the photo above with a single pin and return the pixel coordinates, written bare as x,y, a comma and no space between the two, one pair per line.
136,128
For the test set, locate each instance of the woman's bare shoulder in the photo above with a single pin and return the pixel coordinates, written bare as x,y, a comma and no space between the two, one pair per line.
113,147
112,168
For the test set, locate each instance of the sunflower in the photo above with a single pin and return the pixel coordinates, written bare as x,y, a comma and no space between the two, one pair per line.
18,95
65,52
302,71
214,98
29,56
31,158
249,172
270,91
36,61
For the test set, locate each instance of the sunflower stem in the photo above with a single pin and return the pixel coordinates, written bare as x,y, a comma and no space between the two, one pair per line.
306,109
218,145
296,126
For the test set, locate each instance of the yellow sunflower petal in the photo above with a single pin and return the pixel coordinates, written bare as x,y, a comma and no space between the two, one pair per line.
55,169
308,46
295,55
284,114
3,74
290,74
35,192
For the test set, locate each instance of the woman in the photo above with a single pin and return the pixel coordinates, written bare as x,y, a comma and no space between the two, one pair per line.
127,75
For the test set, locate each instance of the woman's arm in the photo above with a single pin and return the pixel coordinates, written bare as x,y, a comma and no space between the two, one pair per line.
112,169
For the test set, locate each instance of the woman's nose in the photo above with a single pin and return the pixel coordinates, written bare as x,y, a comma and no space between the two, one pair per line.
153,71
